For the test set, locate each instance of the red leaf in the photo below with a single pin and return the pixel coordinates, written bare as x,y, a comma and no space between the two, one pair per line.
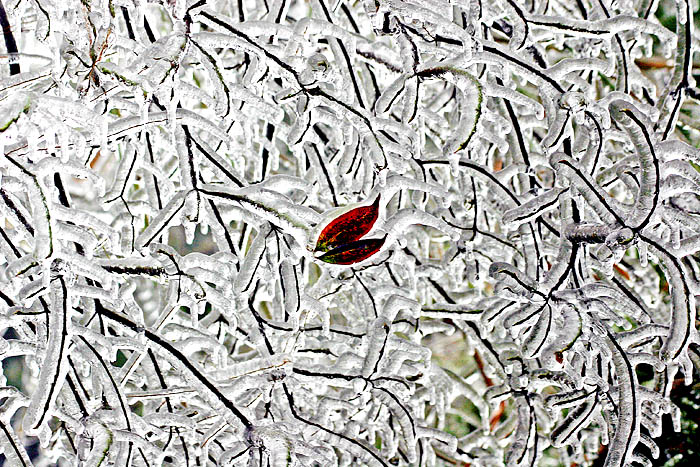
353,252
348,227
559,357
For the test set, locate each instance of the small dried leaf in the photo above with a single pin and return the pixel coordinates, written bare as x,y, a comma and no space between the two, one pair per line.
621,271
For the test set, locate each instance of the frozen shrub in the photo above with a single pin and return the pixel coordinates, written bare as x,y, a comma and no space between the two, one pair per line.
253,233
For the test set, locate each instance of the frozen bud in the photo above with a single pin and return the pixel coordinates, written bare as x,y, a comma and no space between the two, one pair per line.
318,64
620,238
573,101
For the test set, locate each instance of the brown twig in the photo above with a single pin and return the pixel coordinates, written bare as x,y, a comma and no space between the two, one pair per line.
489,382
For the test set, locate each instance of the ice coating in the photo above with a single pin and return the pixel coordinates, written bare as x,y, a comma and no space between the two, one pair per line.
504,197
